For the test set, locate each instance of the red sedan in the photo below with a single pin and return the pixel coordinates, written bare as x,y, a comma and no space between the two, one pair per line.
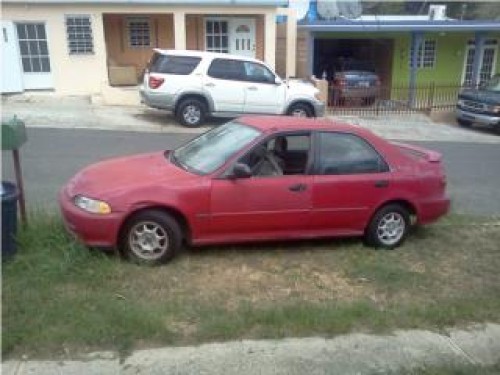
255,179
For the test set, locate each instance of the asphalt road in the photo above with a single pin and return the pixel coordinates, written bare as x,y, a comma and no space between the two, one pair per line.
52,156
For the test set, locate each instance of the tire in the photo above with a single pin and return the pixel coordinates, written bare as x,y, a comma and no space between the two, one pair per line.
379,236
300,110
464,123
191,112
151,237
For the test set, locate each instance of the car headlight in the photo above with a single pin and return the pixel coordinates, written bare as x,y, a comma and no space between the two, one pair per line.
495,108
318,97
92,205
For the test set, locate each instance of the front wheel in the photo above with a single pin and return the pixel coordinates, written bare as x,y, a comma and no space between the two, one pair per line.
151,237
191,112
388,227
300,110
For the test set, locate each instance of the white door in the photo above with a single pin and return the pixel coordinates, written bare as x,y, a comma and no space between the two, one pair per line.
35,60
12,80
487,61
225,84
262,94
242,36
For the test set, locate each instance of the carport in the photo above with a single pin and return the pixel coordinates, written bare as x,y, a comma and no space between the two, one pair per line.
376,52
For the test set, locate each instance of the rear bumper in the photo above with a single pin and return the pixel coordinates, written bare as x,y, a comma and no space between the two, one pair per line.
477,118
432,210
93,230
355,93
158,100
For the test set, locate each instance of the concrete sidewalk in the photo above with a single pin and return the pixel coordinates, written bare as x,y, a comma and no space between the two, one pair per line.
79,112
358,354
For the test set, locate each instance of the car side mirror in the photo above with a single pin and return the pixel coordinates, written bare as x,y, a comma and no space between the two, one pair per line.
240,170
277,81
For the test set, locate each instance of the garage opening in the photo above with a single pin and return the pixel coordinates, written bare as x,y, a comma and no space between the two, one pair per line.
376,54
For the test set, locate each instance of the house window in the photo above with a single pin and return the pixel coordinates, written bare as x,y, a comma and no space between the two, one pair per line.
216,36
33,47
487,60
426,56
139,32
79,34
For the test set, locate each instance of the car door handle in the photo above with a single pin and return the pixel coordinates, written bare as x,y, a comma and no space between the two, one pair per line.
252,88
381,183
209,84
297,188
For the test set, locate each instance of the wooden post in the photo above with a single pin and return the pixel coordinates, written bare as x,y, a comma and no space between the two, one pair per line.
19,182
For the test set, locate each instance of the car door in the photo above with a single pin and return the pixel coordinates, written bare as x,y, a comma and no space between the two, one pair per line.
225,85
350,179
264,205
262,93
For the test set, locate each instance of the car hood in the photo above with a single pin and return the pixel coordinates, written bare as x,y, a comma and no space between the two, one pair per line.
300,86
482,96
110,177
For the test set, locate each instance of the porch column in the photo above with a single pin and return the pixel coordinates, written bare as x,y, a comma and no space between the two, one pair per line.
270,39
310,53
179,30
291,44
476,65
416,42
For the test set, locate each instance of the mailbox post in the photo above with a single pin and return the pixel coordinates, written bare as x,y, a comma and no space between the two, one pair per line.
13,137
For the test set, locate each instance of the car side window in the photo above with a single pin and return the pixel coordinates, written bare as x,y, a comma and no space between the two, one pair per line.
180,65
227,69
286,154
258,73
344,154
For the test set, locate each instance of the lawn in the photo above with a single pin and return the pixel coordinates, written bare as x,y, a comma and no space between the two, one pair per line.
61,299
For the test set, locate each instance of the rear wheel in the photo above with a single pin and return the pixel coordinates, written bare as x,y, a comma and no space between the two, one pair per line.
464,123
151,237
191,112
300,110
388,227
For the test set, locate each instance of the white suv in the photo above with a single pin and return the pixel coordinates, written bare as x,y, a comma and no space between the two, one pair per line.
195,84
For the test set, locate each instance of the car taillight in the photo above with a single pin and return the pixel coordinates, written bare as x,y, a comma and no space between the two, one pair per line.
155,82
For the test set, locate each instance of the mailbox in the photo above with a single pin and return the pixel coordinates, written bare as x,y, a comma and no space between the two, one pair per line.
13,134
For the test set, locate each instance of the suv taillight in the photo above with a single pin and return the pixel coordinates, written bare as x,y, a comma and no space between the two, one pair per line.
155,82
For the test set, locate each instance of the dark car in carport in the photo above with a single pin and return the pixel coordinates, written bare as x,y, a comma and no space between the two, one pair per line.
354,80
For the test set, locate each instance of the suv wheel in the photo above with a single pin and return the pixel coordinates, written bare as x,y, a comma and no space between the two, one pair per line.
299,110
191,112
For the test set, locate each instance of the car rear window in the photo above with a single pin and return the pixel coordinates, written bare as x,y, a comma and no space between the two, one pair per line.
167,64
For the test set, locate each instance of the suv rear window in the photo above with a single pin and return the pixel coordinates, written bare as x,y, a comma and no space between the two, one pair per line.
165,64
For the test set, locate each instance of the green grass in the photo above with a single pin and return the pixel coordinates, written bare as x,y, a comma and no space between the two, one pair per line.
60,298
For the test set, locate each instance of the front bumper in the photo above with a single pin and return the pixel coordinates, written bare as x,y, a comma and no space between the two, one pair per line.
319,109
478,118
92,229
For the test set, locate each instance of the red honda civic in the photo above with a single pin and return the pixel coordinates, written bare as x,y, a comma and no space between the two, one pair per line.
257,179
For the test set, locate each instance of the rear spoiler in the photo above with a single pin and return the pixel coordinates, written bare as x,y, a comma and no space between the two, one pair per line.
429,155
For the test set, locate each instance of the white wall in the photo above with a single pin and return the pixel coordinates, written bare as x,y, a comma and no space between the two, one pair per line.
87,74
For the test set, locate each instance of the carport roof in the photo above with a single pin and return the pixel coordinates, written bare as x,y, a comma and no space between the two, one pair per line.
384,26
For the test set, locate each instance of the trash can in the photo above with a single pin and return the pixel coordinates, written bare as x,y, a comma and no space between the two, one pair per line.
9,219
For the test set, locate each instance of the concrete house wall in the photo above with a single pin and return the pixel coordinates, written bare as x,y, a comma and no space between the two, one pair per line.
176,26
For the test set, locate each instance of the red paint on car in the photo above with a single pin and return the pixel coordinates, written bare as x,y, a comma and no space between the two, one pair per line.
215,208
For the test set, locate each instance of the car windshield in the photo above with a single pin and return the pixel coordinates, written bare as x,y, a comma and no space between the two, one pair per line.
212,149
493,84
